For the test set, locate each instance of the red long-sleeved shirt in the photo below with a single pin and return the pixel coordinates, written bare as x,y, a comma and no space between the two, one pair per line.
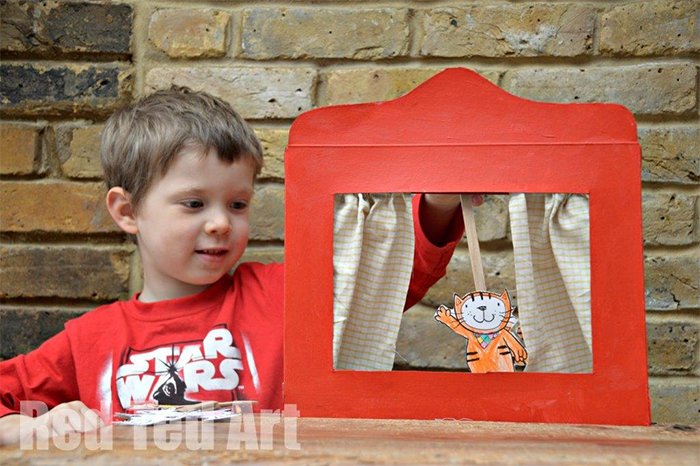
221,344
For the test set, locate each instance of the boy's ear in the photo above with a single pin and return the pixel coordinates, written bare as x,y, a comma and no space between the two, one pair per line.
121,210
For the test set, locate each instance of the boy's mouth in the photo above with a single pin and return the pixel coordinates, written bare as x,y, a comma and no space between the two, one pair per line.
212,252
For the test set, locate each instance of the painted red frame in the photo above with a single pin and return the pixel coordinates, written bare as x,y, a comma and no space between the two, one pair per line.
458,132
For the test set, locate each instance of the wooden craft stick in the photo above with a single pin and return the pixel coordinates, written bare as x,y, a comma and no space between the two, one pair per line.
473,242
205,405
239,402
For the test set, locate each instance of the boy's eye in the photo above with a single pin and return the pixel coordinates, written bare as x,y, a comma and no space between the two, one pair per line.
239,205
192,204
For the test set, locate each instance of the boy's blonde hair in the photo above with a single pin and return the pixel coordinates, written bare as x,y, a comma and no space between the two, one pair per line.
141,140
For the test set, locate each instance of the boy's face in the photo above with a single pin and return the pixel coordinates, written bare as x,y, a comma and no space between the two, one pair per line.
193,223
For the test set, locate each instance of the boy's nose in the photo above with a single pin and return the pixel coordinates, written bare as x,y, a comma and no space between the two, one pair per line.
218,226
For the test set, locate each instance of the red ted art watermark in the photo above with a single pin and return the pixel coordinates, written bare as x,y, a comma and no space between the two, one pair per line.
67,430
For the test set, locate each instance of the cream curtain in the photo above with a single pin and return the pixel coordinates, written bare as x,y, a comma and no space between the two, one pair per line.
372,261
552,267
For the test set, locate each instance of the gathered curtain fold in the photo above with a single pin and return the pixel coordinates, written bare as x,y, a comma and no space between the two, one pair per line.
373,244
552,267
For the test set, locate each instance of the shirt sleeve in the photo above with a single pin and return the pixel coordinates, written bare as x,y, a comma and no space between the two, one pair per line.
46,374
429,260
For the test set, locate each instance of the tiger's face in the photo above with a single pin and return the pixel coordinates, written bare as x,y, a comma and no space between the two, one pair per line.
483,311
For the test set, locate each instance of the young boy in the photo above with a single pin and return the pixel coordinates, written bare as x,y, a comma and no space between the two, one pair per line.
180,167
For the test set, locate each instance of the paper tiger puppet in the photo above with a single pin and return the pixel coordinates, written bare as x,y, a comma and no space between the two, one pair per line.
482,318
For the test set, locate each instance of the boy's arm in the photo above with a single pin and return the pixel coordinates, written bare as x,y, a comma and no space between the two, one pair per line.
437,216
46,374
16,427
438,227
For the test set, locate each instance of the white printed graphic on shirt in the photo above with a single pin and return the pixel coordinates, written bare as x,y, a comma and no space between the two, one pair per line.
104,388
181,372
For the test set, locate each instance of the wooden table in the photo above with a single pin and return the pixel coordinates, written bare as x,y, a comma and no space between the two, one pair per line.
352,441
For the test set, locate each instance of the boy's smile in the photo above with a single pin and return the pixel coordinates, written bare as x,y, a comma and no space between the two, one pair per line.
193,223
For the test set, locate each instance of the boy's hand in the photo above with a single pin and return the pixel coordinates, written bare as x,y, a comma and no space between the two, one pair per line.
61,420
437,213
450,201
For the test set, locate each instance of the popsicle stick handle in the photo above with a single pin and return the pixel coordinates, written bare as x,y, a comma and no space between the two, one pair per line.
473,242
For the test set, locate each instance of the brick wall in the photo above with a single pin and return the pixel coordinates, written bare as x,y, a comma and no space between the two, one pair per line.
67,65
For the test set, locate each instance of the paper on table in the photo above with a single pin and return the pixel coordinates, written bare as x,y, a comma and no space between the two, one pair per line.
152,417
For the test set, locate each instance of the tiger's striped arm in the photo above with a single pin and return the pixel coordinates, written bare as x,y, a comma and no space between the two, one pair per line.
444,315
519,352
